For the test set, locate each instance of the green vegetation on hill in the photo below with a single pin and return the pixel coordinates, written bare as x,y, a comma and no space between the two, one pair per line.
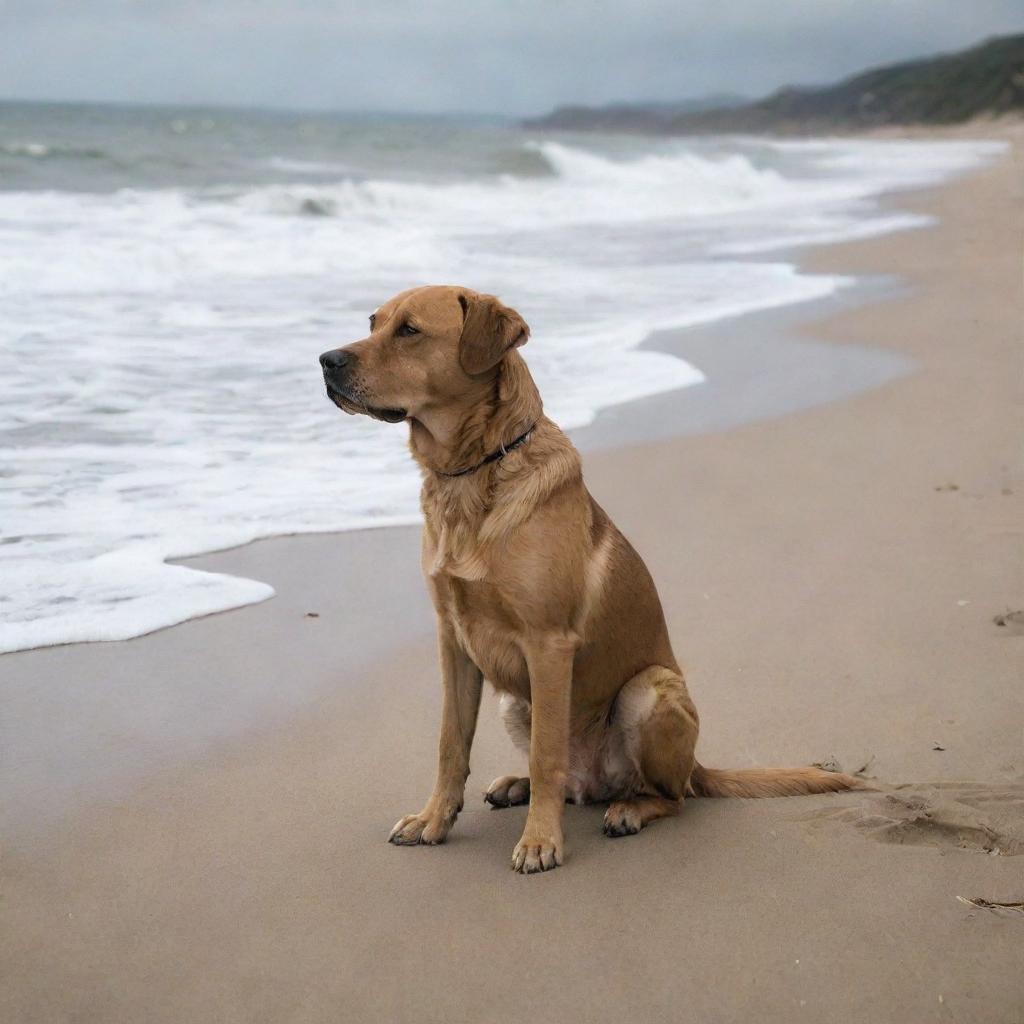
986,80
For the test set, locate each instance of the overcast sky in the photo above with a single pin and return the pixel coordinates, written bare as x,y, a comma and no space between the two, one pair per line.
502,56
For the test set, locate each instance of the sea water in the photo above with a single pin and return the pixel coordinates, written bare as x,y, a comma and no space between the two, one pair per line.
168,279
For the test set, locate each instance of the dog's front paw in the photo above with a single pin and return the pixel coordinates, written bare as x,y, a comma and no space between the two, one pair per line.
427,827
536,852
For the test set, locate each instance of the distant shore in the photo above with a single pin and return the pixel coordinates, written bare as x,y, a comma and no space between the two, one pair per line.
195,820
949,90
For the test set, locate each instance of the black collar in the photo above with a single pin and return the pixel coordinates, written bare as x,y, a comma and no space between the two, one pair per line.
494,456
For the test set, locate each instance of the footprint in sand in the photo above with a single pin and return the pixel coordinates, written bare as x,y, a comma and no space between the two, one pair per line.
950,815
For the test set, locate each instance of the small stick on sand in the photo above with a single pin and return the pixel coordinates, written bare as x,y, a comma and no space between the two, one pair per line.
983,904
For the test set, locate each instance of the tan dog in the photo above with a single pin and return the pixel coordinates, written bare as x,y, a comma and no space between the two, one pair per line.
535,589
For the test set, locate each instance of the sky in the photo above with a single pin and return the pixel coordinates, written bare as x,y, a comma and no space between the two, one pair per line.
490,56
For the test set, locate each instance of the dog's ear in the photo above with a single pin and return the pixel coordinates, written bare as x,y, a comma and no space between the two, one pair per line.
489,330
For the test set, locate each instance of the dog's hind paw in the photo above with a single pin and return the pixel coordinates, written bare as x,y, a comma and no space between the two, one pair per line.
623,818
507,791
627,817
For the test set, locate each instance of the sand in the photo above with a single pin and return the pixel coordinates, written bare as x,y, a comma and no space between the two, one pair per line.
195,821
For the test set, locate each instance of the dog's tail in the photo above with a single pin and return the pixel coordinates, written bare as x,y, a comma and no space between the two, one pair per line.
762,782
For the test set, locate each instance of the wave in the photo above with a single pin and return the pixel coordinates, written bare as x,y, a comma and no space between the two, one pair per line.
585,187
704,183
581,187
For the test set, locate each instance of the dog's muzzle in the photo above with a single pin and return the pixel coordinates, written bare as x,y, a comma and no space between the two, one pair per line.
337,366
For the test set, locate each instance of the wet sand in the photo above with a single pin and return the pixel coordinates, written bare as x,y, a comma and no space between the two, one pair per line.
196,819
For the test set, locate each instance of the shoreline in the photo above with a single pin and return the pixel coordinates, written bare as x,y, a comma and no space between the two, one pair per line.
829,576
757,365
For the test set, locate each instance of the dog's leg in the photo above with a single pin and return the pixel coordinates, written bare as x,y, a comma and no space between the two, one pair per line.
660,725
549,660
462,682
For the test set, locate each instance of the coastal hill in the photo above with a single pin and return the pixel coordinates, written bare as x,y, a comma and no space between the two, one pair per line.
985,80
635,117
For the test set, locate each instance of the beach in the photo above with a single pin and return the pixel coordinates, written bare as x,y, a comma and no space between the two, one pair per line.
196,819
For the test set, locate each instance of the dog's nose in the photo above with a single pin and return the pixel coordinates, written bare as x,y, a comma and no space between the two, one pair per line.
336,359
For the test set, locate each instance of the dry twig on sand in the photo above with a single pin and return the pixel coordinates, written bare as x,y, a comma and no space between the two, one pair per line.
1014,907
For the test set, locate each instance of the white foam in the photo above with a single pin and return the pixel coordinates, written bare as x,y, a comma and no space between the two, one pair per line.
159,390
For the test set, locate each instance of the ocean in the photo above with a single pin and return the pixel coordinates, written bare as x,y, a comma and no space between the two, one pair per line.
169,277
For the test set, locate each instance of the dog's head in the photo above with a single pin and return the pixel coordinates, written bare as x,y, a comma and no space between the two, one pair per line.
427,348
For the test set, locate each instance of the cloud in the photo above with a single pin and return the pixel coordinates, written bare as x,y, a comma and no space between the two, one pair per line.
511,56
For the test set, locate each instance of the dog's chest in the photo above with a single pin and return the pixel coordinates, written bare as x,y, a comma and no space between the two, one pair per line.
486,630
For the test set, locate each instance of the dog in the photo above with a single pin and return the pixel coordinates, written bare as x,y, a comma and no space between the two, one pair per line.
534,588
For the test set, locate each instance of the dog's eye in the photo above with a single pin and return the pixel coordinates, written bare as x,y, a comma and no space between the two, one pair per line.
406,331
373,321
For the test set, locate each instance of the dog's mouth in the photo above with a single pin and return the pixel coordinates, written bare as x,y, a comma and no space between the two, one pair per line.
353,406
